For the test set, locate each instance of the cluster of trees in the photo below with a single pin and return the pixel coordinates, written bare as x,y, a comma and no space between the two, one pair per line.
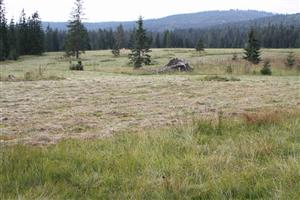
23,38
232,36
26,37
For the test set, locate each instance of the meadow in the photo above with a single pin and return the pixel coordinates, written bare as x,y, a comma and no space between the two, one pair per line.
112,132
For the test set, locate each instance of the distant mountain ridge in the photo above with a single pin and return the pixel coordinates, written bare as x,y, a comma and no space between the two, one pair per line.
180,21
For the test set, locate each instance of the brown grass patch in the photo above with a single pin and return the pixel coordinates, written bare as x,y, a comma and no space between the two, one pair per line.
265,117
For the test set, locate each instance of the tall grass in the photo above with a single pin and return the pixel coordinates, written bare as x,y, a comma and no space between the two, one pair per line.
254,158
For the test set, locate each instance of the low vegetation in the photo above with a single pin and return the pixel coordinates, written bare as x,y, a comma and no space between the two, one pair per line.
254,158
220,78
266,70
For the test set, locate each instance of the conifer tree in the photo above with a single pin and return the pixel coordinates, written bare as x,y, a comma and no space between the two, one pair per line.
167,39
76,40
157,41
4,46
290,60
35,35
13,43
23,41
200,46
139,53
49,39
252,50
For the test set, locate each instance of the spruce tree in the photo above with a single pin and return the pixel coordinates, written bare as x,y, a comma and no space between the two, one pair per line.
22,34
157,41
35,35
139,53
76,40
200,46
167,39
13,43
56,40
290,60
4,46
49,39
252,50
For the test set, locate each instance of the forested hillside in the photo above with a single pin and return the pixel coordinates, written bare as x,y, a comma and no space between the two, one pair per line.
193,20
279,31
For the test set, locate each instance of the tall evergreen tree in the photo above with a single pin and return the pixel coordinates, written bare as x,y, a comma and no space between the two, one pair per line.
139,53
4,47
35,35
49,39
200,46
22,34
13,43
55,41
76,40
157,41
167,39
252,50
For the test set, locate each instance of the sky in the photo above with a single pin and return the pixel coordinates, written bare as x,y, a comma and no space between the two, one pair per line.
128,10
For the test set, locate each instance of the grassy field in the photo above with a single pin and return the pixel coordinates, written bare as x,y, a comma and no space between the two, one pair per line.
112,132
255,158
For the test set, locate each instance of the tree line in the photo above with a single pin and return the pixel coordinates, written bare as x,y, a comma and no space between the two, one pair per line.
271,36
27,37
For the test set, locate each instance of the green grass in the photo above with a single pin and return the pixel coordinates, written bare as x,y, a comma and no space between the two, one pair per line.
211,62
254,158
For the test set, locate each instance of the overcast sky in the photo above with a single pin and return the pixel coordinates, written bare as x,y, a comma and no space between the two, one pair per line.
123,10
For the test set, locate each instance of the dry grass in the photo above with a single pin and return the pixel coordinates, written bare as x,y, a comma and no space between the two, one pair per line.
103,105
110,96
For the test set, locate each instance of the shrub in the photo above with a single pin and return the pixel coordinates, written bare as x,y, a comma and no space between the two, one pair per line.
266,70
290,60
229,69
76,67
28,76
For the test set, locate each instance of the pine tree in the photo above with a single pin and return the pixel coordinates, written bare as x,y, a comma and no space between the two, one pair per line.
76,40
13,43
35,35
139,53
200,46
4,46
252,50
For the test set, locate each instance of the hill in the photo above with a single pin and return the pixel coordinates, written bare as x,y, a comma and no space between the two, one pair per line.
181,21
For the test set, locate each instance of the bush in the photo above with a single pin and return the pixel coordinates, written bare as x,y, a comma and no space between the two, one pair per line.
229,69
28,76
290,60
266,70
76,67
